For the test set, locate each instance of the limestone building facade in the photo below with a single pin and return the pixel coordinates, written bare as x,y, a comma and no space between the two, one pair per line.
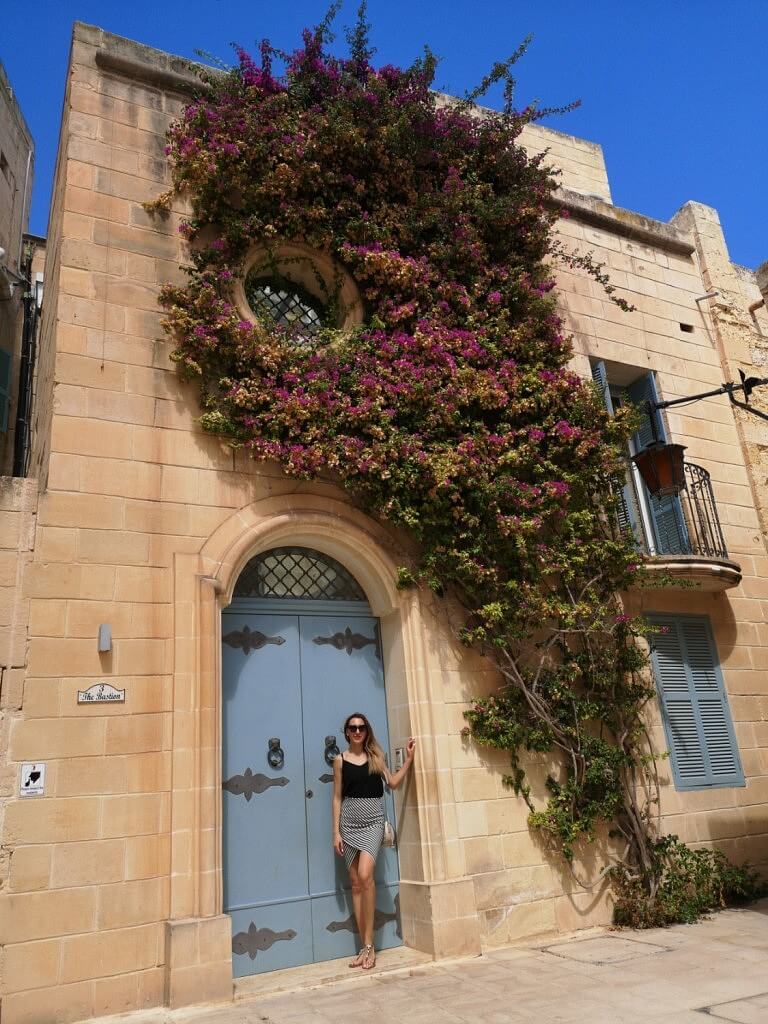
113,887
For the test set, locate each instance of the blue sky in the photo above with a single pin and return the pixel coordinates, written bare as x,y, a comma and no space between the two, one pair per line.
674,90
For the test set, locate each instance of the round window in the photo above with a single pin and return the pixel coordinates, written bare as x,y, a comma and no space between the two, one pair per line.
277,301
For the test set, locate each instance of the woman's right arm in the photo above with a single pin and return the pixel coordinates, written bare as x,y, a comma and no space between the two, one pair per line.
338,843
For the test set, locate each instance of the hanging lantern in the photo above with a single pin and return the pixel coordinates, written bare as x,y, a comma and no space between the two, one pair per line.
662,468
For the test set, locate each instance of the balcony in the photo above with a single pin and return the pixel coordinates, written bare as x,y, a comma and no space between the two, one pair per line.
680,535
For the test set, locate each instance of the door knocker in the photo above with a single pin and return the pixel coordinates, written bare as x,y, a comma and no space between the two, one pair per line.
275,755
331,750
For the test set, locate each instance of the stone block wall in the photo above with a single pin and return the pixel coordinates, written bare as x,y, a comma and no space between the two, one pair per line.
49,335
16,172
18,499
738,322
580,163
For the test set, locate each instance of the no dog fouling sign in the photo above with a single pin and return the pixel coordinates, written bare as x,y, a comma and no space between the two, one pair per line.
32,780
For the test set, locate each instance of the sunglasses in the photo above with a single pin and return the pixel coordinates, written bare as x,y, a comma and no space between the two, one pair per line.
357,728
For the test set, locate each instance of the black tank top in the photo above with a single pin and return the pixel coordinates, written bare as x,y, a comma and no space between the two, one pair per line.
357,781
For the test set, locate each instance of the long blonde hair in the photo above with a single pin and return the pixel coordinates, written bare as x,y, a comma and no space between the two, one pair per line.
376,763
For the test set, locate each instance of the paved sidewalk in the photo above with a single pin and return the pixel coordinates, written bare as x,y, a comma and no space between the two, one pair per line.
715,970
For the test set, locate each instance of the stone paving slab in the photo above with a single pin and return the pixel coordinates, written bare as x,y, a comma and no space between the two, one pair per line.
604,949
715,970
743,1011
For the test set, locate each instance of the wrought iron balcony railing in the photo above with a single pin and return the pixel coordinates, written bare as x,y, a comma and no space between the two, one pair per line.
705,534
684,524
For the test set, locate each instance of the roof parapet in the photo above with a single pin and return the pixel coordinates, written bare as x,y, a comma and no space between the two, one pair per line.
626,223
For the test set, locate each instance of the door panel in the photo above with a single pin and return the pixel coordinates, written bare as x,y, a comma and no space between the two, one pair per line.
342,672
271,937
265,852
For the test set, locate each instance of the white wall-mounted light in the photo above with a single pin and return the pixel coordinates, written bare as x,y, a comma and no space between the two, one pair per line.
105,637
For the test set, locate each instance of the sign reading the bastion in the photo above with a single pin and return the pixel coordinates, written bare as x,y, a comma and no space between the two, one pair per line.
101,693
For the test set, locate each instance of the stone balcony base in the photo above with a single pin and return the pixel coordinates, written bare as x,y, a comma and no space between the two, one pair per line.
683,571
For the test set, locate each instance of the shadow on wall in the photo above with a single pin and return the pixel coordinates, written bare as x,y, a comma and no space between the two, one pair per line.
716,607
741,833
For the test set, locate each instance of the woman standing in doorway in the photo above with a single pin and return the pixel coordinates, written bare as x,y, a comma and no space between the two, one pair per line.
359,775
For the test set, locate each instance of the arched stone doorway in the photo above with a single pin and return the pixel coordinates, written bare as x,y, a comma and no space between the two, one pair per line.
437,899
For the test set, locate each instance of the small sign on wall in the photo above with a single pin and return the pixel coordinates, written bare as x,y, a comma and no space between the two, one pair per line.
32,780
101,693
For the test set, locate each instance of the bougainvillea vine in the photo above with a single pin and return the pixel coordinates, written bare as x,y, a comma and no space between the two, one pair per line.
450,411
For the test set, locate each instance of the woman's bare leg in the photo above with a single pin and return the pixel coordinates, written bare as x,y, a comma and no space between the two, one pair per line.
357,907
365,869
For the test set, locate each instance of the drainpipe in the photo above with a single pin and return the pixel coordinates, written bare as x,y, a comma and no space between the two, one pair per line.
23,227
26,371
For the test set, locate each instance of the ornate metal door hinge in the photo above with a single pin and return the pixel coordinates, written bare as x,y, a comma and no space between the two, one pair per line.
349,641
249,784
248,640
257,940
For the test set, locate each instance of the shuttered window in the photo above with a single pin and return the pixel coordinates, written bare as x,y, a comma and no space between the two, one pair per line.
694,704
628,511
626,505
658,523
670,532
5,388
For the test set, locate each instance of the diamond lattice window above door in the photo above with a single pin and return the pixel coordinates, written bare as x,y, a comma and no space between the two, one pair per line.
286,304
299,573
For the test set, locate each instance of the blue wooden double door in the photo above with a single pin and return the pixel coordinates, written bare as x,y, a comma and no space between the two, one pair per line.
289,681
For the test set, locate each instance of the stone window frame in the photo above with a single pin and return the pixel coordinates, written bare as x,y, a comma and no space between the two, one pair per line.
311,270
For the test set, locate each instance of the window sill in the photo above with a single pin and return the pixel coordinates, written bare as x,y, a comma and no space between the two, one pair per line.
709,786
706,574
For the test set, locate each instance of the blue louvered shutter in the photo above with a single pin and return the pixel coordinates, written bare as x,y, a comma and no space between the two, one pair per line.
669,529
5,388
600,377
697,719
626,511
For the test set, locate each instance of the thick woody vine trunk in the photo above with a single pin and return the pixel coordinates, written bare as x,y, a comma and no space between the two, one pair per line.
637,788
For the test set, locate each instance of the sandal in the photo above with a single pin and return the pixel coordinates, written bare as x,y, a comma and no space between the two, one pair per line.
359,959
369,958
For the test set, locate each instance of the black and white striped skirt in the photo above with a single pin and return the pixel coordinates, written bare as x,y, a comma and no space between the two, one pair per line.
361,825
